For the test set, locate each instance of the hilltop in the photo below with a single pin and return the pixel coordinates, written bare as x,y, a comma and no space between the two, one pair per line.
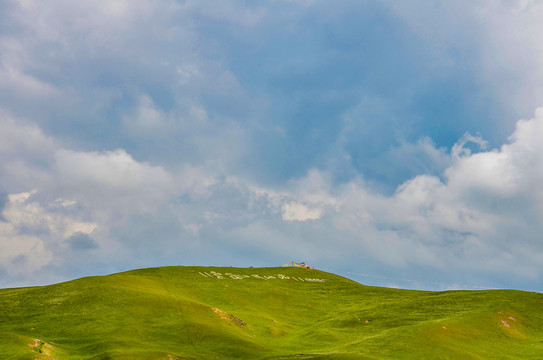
262,313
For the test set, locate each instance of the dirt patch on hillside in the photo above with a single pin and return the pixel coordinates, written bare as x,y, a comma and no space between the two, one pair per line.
43,348
226,316
504,322
36,343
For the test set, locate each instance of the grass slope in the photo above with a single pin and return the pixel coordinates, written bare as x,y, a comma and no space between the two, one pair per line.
267,313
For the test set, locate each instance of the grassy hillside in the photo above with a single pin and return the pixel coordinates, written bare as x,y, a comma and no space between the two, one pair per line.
266,313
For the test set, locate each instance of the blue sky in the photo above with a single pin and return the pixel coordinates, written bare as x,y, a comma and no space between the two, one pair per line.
398,140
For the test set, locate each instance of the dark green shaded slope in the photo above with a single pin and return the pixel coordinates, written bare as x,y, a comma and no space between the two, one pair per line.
266,313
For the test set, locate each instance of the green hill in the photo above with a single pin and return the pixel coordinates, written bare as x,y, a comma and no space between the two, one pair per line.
266,313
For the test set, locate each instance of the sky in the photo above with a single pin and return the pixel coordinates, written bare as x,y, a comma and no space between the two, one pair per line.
396,143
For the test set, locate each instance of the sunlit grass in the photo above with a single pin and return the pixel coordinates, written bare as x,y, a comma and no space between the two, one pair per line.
190,313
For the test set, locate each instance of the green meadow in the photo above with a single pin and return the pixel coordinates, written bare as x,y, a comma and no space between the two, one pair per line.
262,313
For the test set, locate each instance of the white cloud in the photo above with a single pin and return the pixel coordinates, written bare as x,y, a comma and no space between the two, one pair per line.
22,140
21,213
101,180
21,253
459,148
30,234
146,119
114,181
76,194
294,211
15,80
187,72
483,213
481,216
515,169
24,154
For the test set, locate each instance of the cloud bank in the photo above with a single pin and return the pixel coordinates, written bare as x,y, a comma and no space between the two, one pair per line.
482,215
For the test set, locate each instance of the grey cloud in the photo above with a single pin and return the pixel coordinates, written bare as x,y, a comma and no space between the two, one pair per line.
81,242
408,160
3,202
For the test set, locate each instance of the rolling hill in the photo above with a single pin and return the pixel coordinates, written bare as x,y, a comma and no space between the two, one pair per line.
262,313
